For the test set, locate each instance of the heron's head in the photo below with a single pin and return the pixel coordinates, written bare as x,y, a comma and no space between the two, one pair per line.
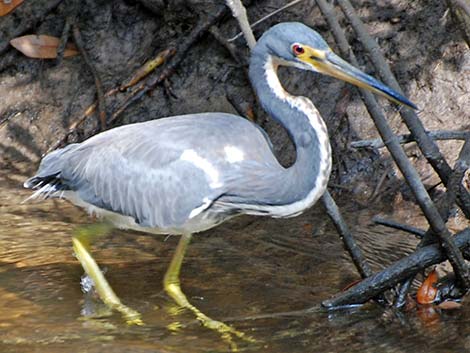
294,44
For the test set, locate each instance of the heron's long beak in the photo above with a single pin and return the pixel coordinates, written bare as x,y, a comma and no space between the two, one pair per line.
328,63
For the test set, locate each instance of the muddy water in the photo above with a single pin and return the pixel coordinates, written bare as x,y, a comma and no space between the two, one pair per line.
265,277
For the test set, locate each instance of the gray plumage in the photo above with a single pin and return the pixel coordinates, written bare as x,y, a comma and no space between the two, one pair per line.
137,170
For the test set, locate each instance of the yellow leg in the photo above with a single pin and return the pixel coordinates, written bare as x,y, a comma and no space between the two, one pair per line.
172,286
81,243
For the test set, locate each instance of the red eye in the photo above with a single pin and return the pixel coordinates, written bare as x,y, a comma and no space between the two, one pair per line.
298,49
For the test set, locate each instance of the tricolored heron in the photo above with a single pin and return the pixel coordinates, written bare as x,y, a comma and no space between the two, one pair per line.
185,174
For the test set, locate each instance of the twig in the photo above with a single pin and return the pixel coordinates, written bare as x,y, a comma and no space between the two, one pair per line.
400,270
99,87
379,185
147,68
405,287
69,21
238,108
400,226
427,146
346,236
407,138
411,176
239,12
202,27
214,31
262,19
77,122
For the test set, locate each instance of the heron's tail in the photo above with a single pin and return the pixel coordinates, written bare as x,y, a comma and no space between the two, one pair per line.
47,182
46,187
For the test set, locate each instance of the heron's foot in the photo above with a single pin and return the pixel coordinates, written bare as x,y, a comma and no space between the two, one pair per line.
171,283
131,316
226,331
81,244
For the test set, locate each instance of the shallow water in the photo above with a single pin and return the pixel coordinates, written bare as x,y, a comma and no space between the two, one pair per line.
265,277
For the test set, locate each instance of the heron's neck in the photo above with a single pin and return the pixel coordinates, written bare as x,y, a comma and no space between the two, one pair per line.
310,172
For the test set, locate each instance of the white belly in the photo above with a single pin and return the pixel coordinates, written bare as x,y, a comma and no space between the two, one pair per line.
202,221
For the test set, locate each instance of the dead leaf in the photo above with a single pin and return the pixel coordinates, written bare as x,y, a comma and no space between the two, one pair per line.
449,305
428,291
41,46
8,6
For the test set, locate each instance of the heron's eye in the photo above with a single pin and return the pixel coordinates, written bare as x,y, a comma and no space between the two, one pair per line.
298,49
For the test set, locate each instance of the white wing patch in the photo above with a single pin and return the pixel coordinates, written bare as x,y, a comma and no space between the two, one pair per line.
206,202
212,173
233,154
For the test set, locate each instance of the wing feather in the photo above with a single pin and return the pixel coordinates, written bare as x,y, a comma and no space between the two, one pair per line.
137,170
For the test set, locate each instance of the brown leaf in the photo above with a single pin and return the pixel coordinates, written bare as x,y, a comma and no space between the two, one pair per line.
8,6
41,46
449,305
428,291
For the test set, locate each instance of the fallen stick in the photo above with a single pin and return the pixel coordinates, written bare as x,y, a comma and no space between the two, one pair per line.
349,242
99,86
407,138
77,122
429,209
400,226
202,27
397,272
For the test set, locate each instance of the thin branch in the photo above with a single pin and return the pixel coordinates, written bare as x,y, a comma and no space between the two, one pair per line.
407,138
397,272
214,31
262,19
99,86
400,226
202,27
346,236
78,121
69,21
239,12
402,294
